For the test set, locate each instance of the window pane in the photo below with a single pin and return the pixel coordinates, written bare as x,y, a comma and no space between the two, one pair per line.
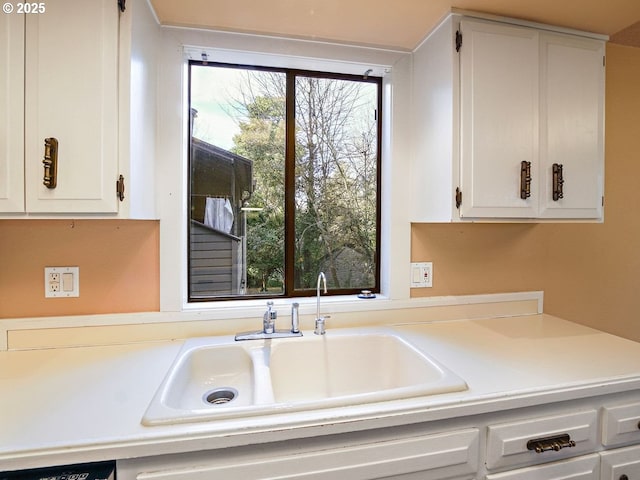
336,182
237,169
257,134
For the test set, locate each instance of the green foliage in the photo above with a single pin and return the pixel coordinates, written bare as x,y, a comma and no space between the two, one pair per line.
335,187
261,139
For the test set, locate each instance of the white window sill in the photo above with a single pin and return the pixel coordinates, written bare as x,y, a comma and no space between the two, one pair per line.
226,310
328,303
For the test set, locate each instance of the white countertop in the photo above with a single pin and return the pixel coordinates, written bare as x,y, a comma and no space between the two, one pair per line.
80,404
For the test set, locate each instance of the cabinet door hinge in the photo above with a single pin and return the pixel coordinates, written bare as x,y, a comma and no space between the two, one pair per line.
122,5
458,40
120,188
603,200
604,61
458,197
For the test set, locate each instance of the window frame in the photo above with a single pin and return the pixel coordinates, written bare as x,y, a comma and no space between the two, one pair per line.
178,45
290,178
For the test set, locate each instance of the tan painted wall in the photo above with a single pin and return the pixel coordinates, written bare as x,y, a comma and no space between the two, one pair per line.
589,272
118,260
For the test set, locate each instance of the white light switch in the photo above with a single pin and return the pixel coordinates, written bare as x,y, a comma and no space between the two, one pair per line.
61,282
67,282
421,274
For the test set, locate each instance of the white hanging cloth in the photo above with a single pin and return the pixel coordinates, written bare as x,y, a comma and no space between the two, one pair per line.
218,214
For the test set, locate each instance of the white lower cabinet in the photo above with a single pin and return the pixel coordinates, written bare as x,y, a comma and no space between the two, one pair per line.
621,464
581,468
448,455
621,424
584,439
541,439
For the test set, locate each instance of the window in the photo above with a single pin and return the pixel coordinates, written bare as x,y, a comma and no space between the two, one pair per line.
284,182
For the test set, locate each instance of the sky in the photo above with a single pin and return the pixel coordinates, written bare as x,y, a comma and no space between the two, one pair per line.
215,122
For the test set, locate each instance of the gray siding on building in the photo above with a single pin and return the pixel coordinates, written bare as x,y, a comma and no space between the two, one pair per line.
213,262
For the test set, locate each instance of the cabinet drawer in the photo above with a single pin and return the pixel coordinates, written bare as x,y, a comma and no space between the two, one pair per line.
583,468
621,424
437,456
507,443
616,464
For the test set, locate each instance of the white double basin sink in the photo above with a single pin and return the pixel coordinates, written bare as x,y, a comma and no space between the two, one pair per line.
217,377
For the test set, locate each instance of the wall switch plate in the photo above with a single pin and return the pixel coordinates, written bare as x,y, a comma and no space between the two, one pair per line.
421,274
61,282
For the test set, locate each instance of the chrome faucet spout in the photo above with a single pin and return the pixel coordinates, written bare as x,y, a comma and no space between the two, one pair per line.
319,330
321,278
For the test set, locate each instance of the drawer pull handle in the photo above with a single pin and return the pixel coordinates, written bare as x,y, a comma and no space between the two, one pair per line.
555,443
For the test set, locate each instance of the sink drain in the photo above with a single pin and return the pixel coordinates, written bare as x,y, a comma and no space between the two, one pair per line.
220,396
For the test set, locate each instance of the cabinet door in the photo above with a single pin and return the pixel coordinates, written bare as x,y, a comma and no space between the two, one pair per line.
499,119
620,463
571,125
583,468
507,443
71,95
620,424
11,113
451,455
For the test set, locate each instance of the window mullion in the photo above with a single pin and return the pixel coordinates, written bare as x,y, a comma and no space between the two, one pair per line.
290,184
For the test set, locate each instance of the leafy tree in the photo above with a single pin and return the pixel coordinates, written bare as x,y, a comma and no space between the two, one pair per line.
262,139
335,186
335,181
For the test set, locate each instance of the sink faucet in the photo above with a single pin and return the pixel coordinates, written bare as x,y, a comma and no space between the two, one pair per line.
269,326
320,321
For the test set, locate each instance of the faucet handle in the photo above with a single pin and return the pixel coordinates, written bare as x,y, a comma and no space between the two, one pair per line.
271,313
269,319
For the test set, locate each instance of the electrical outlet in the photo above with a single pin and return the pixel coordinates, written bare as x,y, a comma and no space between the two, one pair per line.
422,275
61,282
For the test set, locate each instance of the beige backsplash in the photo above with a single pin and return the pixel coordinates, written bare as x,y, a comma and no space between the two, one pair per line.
118,260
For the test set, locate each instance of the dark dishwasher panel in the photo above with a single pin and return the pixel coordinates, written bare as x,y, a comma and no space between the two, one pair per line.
81,471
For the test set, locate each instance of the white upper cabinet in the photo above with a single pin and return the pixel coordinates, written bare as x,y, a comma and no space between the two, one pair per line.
71,87
502,110
74,72
571,126
499,119
11,113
